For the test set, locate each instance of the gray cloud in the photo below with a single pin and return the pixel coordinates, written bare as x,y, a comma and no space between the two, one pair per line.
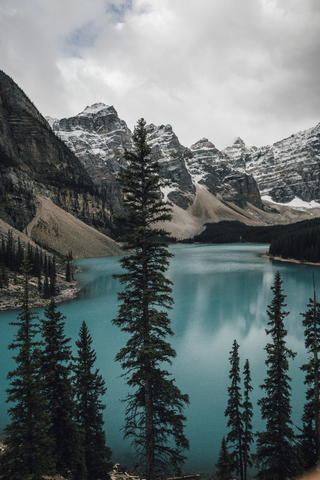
214,68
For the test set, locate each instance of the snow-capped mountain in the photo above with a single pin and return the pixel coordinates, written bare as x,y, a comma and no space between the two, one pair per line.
234,178
98,137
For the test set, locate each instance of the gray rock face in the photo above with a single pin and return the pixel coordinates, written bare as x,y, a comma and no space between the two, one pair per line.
34,161
287,169
210,168
172,156
98,137
238,174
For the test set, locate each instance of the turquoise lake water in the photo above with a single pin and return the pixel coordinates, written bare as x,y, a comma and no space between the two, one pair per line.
221,293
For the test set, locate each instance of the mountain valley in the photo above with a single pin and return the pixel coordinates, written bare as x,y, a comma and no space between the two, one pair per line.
72,164
249,184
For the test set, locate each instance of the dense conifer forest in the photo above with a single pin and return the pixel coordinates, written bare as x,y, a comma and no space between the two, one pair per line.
43,266
56,424
235,232
303,245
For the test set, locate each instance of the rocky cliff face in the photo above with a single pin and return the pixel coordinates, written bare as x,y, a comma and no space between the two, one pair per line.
287,169
74,162
210,168
239,174
98,137
34,162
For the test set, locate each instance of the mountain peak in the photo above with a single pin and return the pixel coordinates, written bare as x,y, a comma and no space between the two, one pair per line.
203,143
97,108
239,141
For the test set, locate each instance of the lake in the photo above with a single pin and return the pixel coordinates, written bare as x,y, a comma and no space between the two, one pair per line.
221,293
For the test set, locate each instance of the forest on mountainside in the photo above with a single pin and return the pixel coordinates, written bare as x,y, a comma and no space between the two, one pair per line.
43,264
237,232
303,245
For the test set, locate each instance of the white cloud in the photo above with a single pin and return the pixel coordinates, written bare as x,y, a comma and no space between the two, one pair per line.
213,68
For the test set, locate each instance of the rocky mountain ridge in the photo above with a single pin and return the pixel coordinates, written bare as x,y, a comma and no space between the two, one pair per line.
237,177
36,166
73,162
98,137
34,161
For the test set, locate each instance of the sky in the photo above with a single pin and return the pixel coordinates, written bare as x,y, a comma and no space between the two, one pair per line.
218,69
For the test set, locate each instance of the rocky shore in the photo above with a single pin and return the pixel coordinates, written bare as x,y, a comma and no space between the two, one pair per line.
9,296
290,260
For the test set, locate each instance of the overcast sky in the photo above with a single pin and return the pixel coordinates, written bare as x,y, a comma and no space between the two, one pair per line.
211,68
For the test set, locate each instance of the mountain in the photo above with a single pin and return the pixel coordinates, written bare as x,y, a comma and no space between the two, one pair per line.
206,184
36,166
287,169
73,163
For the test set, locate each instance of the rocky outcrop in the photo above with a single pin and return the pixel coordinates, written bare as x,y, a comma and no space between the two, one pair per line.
287,169
98,137
210,168
74,162
172,156
33,161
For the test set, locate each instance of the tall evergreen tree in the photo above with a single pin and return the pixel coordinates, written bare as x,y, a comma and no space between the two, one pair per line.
68,271
90,387
310,438
29,453
224,463
154,417
56,370
53,278
247,418
234,411
276,456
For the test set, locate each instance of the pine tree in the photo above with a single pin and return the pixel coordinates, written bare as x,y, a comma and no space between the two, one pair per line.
247,417
30,450
53,278
56,370
311,414
276,457
46,288
154,417
224,463
234,411
90,386
68,271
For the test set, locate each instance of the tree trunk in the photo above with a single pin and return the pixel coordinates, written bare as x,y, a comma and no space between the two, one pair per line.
316,377
149,431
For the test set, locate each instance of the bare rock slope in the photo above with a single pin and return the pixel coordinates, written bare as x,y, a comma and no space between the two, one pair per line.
64,233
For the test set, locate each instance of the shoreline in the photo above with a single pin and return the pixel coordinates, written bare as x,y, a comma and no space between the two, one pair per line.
9,297
289,260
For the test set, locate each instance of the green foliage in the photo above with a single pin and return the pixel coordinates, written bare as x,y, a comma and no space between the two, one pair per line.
11,259
235,232
276,454
154,416
224,463
53,278
310,437
303,245
56,370
68,271
90,386
234,412
29,447
247,418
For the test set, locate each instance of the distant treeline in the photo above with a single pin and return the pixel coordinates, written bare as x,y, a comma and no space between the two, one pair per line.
303,245
237,232
43,266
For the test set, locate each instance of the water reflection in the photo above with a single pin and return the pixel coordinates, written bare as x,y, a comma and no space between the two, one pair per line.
221,293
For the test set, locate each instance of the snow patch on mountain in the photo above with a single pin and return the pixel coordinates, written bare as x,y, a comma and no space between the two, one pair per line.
296,203
96,108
